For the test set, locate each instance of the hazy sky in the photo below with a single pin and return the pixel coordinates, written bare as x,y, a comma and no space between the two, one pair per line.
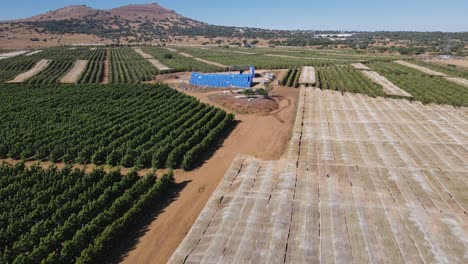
417,15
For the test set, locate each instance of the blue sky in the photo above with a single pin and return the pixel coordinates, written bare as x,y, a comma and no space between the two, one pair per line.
417,15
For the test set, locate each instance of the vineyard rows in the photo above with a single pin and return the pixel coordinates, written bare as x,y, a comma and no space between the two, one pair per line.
62,60
94,73
423,87
143,126
127,66
451,71
346,79
70,216
179,62
291,78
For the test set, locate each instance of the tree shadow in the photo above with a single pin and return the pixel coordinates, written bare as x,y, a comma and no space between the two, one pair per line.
209,153
123,247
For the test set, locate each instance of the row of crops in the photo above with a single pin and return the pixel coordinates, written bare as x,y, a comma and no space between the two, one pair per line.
94,73
10,68
423,87
178,62
263,58
142,126
62,60
345,78
70,216
127,66
291,77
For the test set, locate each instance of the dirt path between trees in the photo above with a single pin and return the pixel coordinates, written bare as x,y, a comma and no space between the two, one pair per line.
388,87
105,78
41,65
265,137
457,80
211,62
420,68
152,60
75,72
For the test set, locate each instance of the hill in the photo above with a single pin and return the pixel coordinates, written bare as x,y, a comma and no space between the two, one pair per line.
154,24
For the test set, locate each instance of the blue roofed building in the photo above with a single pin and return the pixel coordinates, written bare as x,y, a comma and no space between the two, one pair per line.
224,80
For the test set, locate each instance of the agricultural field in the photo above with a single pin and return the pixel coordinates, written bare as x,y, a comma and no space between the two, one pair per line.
127,66
61,60
179,63
272,59
364,180
423,87
319,54
70,216
291,78
143,126
449,70
346,78
94,73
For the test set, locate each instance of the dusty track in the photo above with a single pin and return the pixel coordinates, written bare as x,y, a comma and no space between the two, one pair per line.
211,62
152,60
457,80
307,75
258,135
388,87
12,54
41,65
365,180
105,78
360,66
421,68
34,52
75,72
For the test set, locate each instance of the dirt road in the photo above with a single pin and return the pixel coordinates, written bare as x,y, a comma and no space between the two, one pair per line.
75,72
265,137
41,65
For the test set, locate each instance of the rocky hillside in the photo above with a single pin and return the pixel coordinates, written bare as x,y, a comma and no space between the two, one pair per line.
127,24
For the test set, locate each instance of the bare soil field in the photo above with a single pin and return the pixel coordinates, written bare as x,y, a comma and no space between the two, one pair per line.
360,66
75,72
243,105
365,180
421,68
41,65
388,87
263,136
307,75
